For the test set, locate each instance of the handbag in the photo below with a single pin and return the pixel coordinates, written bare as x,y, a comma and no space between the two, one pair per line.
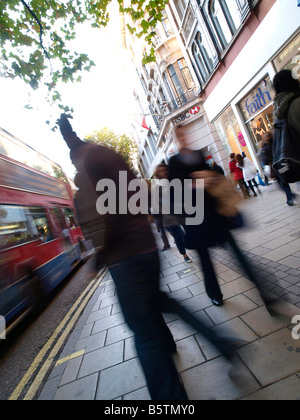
267,171
260,180
226,197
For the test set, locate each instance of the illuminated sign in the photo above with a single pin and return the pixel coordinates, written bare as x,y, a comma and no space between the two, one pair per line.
182,117
258,99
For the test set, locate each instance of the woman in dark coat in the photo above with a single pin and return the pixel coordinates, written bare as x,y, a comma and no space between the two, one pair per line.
215,228
267,159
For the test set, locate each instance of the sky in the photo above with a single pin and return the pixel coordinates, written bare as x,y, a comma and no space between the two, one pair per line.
104,98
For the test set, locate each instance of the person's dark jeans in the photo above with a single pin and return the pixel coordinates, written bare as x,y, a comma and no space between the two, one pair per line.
178,234
285,187
210,279
137,284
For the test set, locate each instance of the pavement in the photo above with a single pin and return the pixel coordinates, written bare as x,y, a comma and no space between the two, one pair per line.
99,361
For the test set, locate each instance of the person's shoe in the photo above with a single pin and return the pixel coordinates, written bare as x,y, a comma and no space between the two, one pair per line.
218,302
276,310
187,260
166,247
171,347
290,202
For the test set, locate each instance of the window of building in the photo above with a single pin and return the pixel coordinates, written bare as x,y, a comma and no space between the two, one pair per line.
180,7
166,25
175,80
189,23
185,72
257,110
203,56
289,57
168,87
162,29
226,19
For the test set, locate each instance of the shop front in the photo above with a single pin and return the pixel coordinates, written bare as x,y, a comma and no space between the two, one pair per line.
231,134
257,111
249,115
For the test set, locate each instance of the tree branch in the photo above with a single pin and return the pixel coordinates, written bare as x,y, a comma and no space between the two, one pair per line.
41,30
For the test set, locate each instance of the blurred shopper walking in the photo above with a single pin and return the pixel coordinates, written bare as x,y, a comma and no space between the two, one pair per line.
127,247
249,172
215,229
238,176
286,137
267,160
169,222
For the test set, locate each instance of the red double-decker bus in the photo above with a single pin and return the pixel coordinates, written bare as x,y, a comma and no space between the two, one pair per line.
40,240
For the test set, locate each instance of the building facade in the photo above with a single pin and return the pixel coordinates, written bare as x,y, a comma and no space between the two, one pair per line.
215,60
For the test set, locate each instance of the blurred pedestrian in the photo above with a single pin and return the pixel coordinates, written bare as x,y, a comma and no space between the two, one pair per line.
170,222
287,108
127,246
215,229
158,220
238,176
217,168
287,98
267,159
249,172
158,216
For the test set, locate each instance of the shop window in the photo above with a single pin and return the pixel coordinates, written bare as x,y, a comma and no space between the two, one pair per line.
230,133
226,19
289,57
257,109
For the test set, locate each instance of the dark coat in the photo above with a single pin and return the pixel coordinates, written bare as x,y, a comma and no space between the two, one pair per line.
214,229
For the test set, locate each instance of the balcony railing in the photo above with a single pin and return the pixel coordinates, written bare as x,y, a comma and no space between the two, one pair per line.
168,107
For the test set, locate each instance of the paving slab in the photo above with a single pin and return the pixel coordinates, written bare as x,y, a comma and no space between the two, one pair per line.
273,357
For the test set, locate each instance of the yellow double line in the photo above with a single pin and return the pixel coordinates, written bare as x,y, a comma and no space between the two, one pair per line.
55,342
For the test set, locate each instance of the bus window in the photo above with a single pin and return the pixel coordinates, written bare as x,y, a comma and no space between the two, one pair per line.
19,225
58,220
70,218
15,228
40,220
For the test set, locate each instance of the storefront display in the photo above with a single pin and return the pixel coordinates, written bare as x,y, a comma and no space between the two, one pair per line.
257,110
230,133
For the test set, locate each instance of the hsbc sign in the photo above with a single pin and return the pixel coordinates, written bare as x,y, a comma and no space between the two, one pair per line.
194,110
185,115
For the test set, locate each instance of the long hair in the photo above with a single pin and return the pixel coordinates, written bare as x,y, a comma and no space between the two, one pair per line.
240,160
